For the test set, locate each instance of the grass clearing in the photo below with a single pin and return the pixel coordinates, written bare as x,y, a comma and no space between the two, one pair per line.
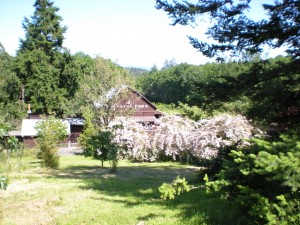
81,192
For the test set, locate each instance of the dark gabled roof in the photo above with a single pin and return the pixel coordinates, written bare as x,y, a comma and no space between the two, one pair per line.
143,97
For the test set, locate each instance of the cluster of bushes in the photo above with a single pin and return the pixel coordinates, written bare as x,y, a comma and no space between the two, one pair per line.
176,138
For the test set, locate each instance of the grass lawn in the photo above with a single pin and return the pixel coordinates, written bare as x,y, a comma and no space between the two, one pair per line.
81,192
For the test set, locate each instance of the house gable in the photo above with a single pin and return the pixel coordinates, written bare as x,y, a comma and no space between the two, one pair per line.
139,107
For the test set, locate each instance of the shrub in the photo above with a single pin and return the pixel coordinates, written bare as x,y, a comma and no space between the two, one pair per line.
172,137
217,133
50,132
134,139
104,148
193,112
85,139
265,179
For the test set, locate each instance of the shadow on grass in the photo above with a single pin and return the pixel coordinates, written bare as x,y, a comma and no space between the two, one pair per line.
139,185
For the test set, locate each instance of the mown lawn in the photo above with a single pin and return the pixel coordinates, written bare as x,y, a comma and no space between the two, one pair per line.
81,192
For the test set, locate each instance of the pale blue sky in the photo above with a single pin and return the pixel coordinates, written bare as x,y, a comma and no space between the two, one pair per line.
130,32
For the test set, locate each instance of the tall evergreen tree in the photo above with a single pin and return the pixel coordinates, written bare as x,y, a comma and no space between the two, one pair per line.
42,60
44,30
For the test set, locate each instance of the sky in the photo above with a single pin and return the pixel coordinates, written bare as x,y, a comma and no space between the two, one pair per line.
132,33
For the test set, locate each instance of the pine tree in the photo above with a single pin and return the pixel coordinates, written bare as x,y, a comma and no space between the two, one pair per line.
44,30
42,59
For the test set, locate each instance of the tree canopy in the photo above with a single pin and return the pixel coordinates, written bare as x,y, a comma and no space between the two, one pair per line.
233,30
44,30
101,89
42,62
10,107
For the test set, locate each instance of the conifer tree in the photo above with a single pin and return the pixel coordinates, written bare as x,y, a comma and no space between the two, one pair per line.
42,60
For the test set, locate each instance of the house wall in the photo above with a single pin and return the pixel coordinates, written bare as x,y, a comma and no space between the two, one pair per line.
29,142
137,105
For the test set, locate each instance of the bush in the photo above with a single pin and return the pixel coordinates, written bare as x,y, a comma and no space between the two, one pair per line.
134,139
265,179
193,112
216,133
49,157
49,133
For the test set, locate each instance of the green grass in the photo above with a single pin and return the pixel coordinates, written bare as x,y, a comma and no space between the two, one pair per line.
81,192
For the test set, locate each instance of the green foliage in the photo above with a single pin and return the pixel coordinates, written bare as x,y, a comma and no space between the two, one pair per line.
265,179
8,144
213,86
178,186
193,112
50,132
168,108
85,139
233,31
264,90
3,182
101,89
102,147
10,107
46,70
207,88
169,85
272,87
98,143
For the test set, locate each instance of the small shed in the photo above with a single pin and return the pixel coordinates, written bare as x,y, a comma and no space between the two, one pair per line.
29,133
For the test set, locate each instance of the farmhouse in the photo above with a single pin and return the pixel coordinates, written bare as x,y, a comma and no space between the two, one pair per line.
139,107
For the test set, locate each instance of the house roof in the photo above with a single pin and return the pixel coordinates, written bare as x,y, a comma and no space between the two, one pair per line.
144,98
28,127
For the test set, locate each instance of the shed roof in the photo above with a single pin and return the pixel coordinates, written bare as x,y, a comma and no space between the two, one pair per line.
28,127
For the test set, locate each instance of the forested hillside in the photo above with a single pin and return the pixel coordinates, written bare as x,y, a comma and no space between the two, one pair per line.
264,90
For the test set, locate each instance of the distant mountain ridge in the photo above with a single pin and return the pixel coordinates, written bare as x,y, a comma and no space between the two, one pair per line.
137,71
